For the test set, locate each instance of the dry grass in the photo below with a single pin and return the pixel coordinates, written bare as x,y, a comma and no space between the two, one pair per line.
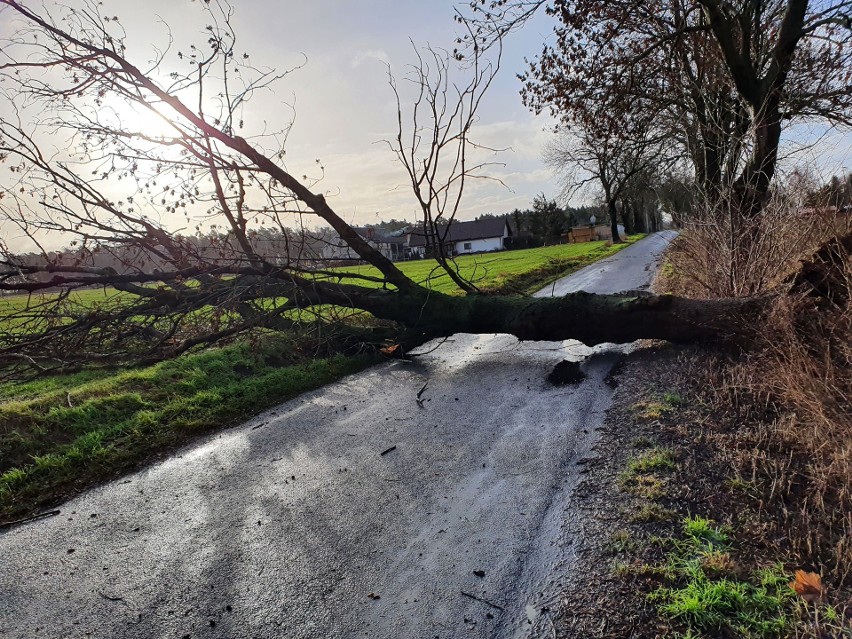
800,379
720,256
791,394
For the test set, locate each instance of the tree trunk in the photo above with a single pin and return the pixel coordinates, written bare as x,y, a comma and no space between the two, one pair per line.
595,319
628,214
586,317
640,217
613,220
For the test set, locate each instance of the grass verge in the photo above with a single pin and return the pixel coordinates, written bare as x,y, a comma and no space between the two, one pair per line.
707,593
711,549
61,434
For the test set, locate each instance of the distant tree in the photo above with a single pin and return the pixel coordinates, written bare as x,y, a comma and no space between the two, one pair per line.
836,193
546,219
641,202
518,219
678,194
433,143
607,148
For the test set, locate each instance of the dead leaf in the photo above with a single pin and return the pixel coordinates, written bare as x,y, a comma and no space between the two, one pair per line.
390,350
808,585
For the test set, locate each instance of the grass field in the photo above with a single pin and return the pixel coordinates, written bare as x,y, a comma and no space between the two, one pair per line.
507,271
63,433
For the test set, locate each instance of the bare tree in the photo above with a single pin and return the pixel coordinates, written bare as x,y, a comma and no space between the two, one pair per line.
434,145
724,76
110,188
607,149
641,200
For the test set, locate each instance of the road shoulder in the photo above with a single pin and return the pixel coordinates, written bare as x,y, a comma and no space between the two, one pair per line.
676,537
599,602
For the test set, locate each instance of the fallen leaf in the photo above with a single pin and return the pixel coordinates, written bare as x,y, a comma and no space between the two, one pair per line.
808,585
390,350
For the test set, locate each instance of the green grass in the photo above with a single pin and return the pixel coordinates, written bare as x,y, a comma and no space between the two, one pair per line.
641,442
640,476
84,298
709,598
61,433
25,311
646,486
656,459
521,271
656,409
672,399
703,531
621,541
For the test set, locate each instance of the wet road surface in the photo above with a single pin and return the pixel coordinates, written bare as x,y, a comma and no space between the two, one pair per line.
631,269
350,511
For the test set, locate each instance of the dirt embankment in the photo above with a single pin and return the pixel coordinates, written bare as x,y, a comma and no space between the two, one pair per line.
689,524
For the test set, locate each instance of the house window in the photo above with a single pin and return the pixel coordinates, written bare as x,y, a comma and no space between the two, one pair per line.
467,246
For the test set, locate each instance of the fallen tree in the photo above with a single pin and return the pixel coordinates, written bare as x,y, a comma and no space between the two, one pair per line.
177,292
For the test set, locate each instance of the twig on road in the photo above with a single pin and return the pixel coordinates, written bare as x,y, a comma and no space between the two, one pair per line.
419,399
480,599
9,524
105,596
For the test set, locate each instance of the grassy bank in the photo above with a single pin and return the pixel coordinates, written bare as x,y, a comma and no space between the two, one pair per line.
734,547
721,494
762,442
61,434
692,533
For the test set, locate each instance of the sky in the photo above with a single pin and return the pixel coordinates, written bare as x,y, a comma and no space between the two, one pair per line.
343,106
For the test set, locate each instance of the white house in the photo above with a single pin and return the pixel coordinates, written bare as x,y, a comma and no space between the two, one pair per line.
481,236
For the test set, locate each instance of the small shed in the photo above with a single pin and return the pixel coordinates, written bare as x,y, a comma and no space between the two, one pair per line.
589,233
582,234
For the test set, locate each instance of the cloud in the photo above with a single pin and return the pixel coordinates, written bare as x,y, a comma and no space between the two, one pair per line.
379,55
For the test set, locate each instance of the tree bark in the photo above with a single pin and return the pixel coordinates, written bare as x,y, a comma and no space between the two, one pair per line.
613,220
586,317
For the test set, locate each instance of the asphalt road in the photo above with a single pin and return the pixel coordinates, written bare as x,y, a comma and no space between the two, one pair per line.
350,511
631,269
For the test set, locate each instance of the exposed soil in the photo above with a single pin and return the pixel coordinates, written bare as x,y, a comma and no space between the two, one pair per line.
658,404
566,372
601,604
